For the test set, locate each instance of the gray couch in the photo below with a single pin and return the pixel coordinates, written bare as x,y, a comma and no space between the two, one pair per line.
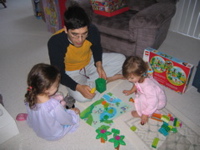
145,25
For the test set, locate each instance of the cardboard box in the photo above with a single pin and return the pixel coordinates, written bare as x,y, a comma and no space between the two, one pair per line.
167,70
109,8
8,127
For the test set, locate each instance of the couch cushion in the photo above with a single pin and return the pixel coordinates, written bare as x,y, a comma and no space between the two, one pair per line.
154,16
114,44
173,1
116,26
139,4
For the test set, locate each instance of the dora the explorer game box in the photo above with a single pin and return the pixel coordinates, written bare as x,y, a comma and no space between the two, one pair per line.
167,70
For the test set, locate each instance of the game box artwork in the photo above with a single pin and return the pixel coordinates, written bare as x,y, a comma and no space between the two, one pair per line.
167,70
109,8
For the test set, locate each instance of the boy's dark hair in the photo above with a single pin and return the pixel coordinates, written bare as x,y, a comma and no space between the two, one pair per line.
134,65
75,17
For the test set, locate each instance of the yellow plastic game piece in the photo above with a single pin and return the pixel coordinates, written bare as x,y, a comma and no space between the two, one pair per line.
93,90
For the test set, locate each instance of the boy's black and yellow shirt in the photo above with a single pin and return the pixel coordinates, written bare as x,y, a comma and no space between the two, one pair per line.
67,57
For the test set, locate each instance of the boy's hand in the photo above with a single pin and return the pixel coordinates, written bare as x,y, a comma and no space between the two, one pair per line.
100,70
85,90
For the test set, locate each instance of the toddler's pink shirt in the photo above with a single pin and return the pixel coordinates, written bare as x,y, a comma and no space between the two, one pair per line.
150,97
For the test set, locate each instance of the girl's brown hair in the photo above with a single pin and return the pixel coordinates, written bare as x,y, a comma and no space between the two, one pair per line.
40,78
134,65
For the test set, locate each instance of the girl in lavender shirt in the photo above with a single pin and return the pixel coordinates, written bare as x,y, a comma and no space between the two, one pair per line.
46,116
150,97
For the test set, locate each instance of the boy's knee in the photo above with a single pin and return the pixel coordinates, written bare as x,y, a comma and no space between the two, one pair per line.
82,99
78,96
120,57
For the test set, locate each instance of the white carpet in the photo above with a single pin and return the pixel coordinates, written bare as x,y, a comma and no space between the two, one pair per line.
23,43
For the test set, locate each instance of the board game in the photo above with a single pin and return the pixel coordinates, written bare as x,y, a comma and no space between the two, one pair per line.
168,70
104,110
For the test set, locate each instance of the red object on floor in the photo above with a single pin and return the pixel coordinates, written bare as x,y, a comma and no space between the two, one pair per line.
21,117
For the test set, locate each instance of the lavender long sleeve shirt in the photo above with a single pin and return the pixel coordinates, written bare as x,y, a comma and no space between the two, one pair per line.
51,121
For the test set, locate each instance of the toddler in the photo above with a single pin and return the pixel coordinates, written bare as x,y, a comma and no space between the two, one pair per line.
150,97
46,116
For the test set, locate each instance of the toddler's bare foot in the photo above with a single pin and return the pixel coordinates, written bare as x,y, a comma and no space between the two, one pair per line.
144,119
135,114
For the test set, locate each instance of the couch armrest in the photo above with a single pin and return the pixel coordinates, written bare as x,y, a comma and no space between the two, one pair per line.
153,16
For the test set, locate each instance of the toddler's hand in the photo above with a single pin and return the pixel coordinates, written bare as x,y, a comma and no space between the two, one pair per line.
127,92
63,103
58,96
77,111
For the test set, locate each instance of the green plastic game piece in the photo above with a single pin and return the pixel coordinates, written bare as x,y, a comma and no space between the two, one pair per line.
175,121
100,85
174,130
155,142
165,118
133,128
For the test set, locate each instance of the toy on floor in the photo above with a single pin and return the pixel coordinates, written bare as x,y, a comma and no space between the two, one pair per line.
165,118
177,123
104,110
156,117
93,90
100,85
21,116
103,133
166,128
155,142
133,128
131,100
70,102
169,125
161,118
117,139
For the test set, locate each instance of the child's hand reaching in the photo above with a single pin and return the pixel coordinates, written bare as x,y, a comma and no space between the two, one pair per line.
127,92
77,111
144,119
131,91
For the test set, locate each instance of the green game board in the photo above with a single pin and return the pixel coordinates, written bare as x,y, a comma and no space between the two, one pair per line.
103,111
